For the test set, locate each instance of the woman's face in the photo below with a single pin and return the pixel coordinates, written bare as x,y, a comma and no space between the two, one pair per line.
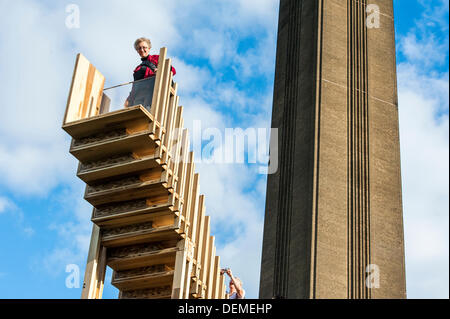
143,49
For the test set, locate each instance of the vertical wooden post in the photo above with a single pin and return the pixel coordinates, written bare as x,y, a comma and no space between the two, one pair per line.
222,287
205,253
188,275
158,86
212,253
200,231
165,94
180,270
91,273
216,278
101,271
192,230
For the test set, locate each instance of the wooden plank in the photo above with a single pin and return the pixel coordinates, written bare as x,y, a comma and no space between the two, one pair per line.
134,166
182,165
173,136
170,89
109,121
170,123
93,97
210,268
175,144
169,116
193,268
192,234
216,278
133,216
101,271
222,288
163,292
127,189
90,274
127,144
178,127
158,84
105,104
169,92
168,156
180,270
165,94
188,189
126,193
200,230
143,281
162,69
205,251
189,266
85,91
141,236
143,259
187,277
131,219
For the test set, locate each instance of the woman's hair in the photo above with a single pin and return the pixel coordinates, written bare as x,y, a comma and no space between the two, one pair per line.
136,43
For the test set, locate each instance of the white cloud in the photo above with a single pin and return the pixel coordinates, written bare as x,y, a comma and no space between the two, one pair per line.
435,15
191,79
427,51
6,204
424,137
34,170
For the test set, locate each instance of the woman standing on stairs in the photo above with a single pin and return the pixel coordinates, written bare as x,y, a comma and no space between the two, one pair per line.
142,92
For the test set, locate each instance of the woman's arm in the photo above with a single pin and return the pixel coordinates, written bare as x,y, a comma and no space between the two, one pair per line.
237,284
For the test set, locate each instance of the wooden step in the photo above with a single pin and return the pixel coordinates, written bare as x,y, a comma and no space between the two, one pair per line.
147,235
141,278
132,212
137,142
164,292
127,166
108,121
139,256
133,189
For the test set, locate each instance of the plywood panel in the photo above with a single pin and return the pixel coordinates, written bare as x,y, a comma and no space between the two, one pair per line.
86,91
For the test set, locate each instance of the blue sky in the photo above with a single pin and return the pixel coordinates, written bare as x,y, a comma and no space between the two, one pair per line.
224,52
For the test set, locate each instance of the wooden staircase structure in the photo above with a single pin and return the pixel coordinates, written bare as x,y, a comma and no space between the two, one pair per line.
149,220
